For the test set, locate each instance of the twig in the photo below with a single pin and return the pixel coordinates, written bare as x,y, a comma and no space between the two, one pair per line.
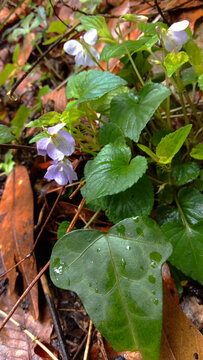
160,12
88,341
50,1
101,344
14,87
11,13
75,9
28,333
79,348
76,190
80,207
23,295
57,325
19,147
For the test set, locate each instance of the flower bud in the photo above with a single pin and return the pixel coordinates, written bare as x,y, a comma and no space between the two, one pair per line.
135,18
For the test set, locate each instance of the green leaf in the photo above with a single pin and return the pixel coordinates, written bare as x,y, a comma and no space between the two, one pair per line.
187,248
197,152
39,136
136,201
116,50
184,173
98,23
8,163
51,40
6,135
166,213
47,119
16,54
148,152
131,113
199,181
58,26
18,121
195,56
112,171
110,133
6,72
189,77
16,33
171,144
43,91
150,28
102,105
200,82
191,202
92,84
61,231
118,278
173,62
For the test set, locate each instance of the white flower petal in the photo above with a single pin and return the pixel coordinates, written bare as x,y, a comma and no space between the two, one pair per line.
179,26
42,146
80,59
91,37
72,47
54,129
95,53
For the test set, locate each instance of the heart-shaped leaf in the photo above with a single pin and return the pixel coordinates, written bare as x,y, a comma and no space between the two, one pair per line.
187,244
118,278
184,173
112,171
92,84
131,113
136,201
197,152
191,202
174,61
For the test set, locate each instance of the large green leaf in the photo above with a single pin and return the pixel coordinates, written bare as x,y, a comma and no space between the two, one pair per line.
110,133
191,202
118,278
92,84
184,173
136,201
131,113
187,248
171,144
112,171
6,72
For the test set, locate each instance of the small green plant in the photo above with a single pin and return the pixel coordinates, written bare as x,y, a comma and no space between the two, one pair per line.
141,162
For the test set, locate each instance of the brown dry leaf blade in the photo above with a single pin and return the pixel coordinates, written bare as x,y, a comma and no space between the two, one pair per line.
14,343
180,338
57,99
16,229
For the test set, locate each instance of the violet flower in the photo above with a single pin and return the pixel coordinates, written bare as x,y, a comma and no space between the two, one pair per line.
61,171
175,37
83,48
59,144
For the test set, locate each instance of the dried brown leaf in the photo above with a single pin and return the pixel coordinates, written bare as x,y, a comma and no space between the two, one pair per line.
58,98
180,338
16,229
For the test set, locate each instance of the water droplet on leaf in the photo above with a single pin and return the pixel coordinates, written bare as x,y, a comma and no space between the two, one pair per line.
156,301
128,247
155,256
152,279
140,232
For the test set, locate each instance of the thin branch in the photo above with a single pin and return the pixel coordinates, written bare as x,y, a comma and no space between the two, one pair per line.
75,9
19,147
160,12
80,207
50,1
88,341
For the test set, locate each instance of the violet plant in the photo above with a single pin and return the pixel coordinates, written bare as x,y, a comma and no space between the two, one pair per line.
143,172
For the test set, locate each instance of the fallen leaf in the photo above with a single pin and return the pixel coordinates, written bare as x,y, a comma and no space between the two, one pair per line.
180,338
14,343
16,228
58,98
26,49
193,310
42,353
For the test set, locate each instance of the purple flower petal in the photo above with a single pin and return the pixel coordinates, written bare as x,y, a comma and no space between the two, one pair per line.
53,152
179,26
42,146
55,129
62,144
62,172
72,47
91,37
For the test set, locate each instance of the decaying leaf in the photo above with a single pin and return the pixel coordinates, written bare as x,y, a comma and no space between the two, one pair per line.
16,229
180,338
